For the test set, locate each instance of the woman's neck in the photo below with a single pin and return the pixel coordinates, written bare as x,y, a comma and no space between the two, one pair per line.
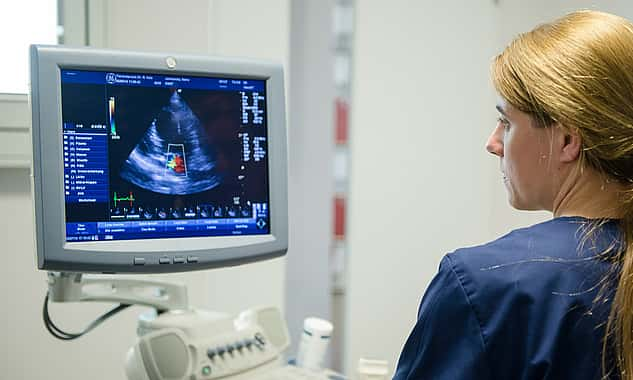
588,194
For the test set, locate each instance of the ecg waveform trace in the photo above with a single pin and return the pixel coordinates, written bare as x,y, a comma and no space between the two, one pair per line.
129,198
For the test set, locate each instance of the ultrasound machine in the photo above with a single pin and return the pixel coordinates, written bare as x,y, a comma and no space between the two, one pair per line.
156,163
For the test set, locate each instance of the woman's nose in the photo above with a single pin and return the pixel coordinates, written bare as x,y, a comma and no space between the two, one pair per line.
494,144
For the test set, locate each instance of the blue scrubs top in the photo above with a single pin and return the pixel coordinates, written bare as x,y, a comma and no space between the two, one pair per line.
520,307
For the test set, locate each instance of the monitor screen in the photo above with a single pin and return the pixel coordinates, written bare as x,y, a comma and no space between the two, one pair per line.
156,162
161,156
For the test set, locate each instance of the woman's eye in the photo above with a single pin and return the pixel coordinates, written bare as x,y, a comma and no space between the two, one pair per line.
504,122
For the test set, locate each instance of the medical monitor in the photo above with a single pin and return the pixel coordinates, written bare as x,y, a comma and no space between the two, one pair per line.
149,162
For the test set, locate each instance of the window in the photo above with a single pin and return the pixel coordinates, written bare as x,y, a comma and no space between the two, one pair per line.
23,23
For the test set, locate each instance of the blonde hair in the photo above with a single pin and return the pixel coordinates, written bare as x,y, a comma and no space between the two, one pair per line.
578,72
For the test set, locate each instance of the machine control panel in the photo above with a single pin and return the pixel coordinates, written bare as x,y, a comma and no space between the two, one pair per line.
205,346
240,352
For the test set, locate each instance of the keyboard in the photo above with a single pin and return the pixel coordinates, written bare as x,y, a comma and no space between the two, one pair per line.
290,372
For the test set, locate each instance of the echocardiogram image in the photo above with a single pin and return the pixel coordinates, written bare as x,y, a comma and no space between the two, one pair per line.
180,148
174,156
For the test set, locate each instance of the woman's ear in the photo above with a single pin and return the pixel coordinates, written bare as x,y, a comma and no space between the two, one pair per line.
571,145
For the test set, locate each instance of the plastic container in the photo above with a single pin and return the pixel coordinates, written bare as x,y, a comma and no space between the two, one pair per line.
313,344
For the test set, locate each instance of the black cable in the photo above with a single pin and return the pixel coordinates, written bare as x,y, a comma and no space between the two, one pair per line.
62,335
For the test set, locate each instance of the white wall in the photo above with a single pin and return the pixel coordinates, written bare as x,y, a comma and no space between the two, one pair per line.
422,107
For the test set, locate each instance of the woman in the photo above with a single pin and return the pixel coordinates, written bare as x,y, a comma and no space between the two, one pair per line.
555,300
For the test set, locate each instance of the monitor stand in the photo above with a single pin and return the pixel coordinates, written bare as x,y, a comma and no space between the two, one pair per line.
75,287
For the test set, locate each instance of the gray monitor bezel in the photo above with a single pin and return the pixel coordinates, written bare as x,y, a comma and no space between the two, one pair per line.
55,254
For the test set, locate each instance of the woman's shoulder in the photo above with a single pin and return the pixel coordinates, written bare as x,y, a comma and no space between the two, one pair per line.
542,249
539,281
549,261
540,270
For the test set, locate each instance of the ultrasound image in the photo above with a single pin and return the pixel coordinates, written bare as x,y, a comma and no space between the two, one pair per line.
174,156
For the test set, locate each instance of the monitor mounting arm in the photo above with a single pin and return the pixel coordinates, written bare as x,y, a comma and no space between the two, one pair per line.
73,287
